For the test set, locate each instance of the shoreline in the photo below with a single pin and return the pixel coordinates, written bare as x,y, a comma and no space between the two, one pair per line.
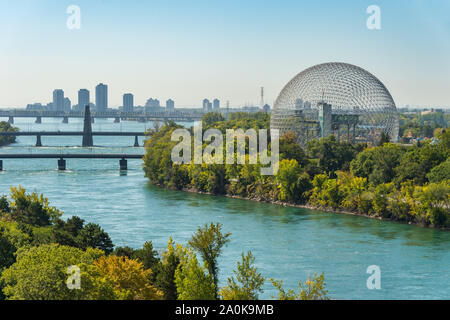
309,207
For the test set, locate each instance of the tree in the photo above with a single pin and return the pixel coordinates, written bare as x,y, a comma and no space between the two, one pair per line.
193,281
293,182
4,205
378,164
147,255
311,289
440,172
165,277
32,209
93,236
384,138
290,149
331,154
248,281
40,273
208,241
128,278
7,250
211,117
7,127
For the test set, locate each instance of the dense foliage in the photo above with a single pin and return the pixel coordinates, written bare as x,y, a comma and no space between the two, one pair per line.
38,251
404,183
7,127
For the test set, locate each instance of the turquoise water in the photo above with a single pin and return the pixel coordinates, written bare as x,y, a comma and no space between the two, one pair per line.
288,243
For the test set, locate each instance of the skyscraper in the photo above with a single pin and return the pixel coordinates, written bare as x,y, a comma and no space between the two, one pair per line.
101,97
128,104
170,104
58,100
83,98
67,104
216,104
205,104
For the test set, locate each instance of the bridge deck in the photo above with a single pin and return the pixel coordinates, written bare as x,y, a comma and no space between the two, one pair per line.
71,156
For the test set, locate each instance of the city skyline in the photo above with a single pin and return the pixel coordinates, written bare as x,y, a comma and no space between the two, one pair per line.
133,49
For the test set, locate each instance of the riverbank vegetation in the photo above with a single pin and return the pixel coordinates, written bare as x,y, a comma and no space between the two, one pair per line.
7,127
40,255
389,181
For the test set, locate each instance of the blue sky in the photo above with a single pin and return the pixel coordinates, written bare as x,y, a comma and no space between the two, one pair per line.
189,50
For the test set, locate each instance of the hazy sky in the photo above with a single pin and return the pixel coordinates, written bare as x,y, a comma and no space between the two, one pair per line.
189,50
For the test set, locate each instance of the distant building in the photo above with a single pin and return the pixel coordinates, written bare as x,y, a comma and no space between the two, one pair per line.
35,107
205,104
266,108
216,104
128,103
170,104
83,98
58,100
101,97
67,104
152,103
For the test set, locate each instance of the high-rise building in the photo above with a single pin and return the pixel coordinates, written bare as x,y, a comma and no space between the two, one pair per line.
170,104
205,104
58,100
216,104
152,103
101,97
67,104
83,98
128,104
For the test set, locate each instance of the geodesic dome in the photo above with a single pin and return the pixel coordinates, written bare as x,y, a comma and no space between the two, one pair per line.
335,98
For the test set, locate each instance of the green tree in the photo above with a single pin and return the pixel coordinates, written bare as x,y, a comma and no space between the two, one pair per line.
40,273
209,241
248,282
193,282
290,149
4,205
440,172
330,154
7,127
378,164
211,118
165,272
293,182
311,289
32,209
147,255
93,236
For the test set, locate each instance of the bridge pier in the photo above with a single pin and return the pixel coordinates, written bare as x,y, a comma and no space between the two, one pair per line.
38,120
123,164
1,165
136,141
117,120
61,164
11,120
65,120
38,141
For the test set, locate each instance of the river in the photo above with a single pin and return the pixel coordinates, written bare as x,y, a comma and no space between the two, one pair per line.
288,243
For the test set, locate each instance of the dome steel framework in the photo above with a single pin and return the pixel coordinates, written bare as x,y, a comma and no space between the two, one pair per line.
335,98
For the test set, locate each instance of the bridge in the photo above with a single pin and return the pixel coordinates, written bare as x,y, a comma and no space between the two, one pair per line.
39,134
62,156
117,115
